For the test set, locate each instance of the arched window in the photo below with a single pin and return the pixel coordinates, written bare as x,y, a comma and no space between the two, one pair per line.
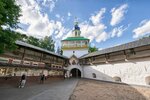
117,79
94,75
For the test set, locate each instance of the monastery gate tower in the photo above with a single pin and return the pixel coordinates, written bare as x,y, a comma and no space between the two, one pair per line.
74,47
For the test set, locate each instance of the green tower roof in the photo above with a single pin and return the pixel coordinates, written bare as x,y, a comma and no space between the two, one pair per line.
75,38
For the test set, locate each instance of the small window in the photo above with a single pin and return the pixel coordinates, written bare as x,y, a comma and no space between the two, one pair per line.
147,80
94,75
117,79
75,33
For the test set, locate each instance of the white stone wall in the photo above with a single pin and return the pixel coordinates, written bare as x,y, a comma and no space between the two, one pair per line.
78,53
132,71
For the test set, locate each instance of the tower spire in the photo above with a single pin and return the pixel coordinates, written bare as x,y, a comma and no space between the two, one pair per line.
76,21
76,31
76,27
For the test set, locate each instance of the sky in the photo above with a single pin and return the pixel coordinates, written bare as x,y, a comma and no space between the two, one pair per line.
106,23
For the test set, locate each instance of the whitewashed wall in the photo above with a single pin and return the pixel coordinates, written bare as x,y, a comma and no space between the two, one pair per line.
78,53
132,72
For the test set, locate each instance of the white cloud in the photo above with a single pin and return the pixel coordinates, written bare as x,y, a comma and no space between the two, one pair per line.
142,30
96,30
21,31
49,4
96,19
118,14
69,14
92,44
117,31
67,35
93,32
100,48
57,15
39,24
102,37
60,30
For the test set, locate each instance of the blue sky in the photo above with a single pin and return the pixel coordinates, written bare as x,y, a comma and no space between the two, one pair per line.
105,22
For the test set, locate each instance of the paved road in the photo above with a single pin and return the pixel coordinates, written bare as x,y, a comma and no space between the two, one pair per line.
60,90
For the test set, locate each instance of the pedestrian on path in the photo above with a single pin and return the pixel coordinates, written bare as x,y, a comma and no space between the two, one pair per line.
22,81
42,78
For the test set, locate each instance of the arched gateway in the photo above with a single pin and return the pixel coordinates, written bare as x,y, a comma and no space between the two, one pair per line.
74,47
75,73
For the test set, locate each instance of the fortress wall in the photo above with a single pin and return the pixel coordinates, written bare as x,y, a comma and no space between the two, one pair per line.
132,71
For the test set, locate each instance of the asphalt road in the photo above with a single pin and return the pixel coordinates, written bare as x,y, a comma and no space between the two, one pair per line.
58,90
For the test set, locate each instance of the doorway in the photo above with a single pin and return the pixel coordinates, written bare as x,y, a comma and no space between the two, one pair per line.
76,73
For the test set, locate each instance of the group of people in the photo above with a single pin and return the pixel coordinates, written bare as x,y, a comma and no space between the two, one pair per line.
23,80
67,76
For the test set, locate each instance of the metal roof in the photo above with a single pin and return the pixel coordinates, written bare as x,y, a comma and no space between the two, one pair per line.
38,48
75,38
130,45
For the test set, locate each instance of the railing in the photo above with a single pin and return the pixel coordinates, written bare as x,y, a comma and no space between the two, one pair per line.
21,62
74,47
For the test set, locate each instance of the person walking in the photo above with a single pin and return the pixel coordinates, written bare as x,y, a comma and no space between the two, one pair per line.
42,79
22,81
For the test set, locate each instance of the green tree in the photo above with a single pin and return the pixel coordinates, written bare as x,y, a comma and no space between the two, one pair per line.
48,43
61,52
34,41
22,37
9,14
7,40
92,49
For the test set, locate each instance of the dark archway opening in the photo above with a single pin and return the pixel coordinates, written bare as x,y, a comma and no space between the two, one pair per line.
75,73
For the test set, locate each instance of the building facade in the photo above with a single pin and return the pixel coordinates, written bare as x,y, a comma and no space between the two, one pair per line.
75,44
32,61
128,63
74,47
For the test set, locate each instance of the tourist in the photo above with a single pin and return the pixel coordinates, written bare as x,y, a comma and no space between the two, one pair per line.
22,81
42,78
65,76
70,75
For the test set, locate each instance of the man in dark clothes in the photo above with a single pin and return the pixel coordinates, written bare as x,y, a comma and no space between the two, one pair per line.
42,78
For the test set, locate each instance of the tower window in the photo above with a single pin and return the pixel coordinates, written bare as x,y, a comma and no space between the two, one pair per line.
73,51
76,33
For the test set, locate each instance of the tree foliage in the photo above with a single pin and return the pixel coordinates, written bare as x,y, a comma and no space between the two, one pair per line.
7,40
48,43
45,43
92,49
9,17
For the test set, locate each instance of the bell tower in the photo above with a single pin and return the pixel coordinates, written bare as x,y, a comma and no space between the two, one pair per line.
75,45
76,32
